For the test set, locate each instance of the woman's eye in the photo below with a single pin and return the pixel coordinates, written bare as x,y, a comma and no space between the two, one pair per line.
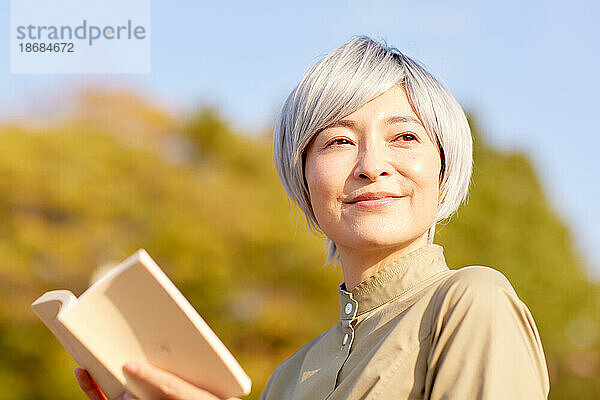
338,142
407,137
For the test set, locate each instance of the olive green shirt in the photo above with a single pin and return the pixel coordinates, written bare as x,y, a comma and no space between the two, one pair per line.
418,330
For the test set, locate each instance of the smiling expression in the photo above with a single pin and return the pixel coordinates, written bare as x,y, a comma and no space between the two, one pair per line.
373,176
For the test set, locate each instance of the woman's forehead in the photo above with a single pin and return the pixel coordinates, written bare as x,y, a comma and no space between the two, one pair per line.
389,108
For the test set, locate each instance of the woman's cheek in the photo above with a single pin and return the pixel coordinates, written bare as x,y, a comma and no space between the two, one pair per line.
425,171
317,190
430,187
325,191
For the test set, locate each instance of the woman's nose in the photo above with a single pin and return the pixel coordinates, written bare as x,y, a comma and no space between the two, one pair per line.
371,164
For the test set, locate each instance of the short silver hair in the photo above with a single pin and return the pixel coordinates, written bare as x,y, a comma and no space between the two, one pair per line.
342,82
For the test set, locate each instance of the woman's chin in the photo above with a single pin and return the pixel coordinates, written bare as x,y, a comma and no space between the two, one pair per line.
370,241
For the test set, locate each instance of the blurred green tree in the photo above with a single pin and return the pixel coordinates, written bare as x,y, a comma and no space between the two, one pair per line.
206,203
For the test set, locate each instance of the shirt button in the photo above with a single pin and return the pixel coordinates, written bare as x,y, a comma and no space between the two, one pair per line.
345,340
348,308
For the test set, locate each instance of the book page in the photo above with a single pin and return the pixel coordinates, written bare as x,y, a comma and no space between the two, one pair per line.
132,316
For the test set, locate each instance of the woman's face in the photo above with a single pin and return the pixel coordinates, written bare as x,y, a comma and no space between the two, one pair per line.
373,176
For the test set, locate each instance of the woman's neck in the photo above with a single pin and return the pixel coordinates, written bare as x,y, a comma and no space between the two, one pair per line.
360,264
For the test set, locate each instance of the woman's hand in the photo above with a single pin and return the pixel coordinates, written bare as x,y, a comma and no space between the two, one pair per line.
162,384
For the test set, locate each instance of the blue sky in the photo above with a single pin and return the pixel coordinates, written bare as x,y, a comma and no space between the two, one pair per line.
527,70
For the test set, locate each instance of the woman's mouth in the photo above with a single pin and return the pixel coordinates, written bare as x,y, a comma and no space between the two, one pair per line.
374,201
375,204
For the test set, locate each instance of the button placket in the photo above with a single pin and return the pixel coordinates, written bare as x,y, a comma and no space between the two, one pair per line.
349,308
348,336
348,311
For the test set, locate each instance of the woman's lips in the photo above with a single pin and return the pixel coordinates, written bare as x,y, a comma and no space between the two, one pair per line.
374,204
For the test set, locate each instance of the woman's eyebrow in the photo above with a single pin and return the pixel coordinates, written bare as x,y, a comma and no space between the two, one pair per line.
394,119
343,123
397,119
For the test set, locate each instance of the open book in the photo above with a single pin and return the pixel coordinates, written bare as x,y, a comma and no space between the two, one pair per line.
135,313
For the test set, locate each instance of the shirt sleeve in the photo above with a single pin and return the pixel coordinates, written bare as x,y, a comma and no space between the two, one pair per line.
265,395
485,344
281,383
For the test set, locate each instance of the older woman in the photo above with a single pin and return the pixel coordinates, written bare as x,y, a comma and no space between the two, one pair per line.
376,151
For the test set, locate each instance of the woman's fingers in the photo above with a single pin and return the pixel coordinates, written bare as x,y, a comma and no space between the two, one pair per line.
87,384
163,385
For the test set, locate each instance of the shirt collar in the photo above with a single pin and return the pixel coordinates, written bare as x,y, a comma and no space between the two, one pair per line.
390,281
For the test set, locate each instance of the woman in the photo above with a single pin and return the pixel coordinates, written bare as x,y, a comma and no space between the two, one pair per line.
375,151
